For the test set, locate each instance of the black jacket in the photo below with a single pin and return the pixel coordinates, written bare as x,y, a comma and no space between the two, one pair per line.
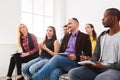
82,44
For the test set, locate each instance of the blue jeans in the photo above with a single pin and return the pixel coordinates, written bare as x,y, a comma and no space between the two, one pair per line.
33,66
58,61
55,74
84,73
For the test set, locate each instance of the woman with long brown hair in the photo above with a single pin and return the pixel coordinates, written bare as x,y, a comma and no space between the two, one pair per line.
48,48
93,36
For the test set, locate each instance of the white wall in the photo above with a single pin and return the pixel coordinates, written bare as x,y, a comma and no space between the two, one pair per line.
86,11
10,12
5,50
89,11
60,16
9,20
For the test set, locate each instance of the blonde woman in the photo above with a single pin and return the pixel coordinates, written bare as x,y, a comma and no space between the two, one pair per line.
30,50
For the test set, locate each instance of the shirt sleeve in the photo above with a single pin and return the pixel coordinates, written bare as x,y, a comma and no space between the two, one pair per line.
35,43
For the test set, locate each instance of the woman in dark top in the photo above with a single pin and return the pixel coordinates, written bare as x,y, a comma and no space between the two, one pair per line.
48,48
28,43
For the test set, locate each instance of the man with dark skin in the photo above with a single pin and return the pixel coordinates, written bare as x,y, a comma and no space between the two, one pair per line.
107,52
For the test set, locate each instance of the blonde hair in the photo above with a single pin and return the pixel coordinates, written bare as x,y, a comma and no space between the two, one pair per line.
20,34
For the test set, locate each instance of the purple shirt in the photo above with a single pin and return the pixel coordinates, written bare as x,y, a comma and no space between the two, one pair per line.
71,44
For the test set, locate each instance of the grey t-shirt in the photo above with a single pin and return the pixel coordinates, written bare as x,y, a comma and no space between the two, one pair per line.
110,48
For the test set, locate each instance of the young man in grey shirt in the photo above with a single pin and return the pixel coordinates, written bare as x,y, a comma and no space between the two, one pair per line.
107,52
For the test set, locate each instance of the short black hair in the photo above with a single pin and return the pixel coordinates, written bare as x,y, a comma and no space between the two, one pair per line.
75,19
65,25
114,12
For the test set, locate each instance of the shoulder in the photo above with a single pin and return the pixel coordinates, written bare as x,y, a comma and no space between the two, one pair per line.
81,34
104,32
66,36
56,42
32,35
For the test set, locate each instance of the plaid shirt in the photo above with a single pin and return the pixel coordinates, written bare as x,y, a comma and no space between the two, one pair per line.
26,44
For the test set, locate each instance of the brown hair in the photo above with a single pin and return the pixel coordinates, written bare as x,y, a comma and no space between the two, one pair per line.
94,35
54,34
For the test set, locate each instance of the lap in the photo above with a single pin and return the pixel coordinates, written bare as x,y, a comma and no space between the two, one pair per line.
28,64
39,63
82,73
110,74
64,62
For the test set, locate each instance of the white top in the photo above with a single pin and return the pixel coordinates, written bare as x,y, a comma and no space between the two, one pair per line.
110,48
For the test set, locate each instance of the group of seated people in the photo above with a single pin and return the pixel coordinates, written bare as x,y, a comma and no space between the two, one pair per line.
50,59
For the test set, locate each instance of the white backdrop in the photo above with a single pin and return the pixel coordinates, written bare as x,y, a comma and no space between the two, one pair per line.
10,11
89,11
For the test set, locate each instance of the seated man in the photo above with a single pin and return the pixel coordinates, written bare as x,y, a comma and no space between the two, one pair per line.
72,44
107,53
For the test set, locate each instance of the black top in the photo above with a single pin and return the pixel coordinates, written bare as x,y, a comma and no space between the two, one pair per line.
50,44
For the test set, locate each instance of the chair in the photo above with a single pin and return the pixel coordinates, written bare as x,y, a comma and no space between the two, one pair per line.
64,77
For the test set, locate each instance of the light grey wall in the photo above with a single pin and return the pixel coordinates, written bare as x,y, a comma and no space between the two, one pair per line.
6,50
89,11
10,11
10,15
59,16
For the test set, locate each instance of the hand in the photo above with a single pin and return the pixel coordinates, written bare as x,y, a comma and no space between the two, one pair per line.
41,46
44,46
72,57
97,65
83,58
24,54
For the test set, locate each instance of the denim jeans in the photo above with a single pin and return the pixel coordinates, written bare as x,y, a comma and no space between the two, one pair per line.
55,74
33,66
84,73
58,61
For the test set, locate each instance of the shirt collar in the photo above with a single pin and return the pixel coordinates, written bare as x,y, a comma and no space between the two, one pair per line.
76,34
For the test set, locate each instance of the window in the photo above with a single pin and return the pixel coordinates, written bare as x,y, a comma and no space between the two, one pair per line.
37,15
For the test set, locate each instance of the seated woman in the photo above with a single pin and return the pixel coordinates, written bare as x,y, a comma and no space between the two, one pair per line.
93,36
48,48
28,43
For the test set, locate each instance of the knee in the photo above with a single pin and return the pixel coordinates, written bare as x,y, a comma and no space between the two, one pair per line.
102,78
57,58
31,70
24,69
107,76
71,73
